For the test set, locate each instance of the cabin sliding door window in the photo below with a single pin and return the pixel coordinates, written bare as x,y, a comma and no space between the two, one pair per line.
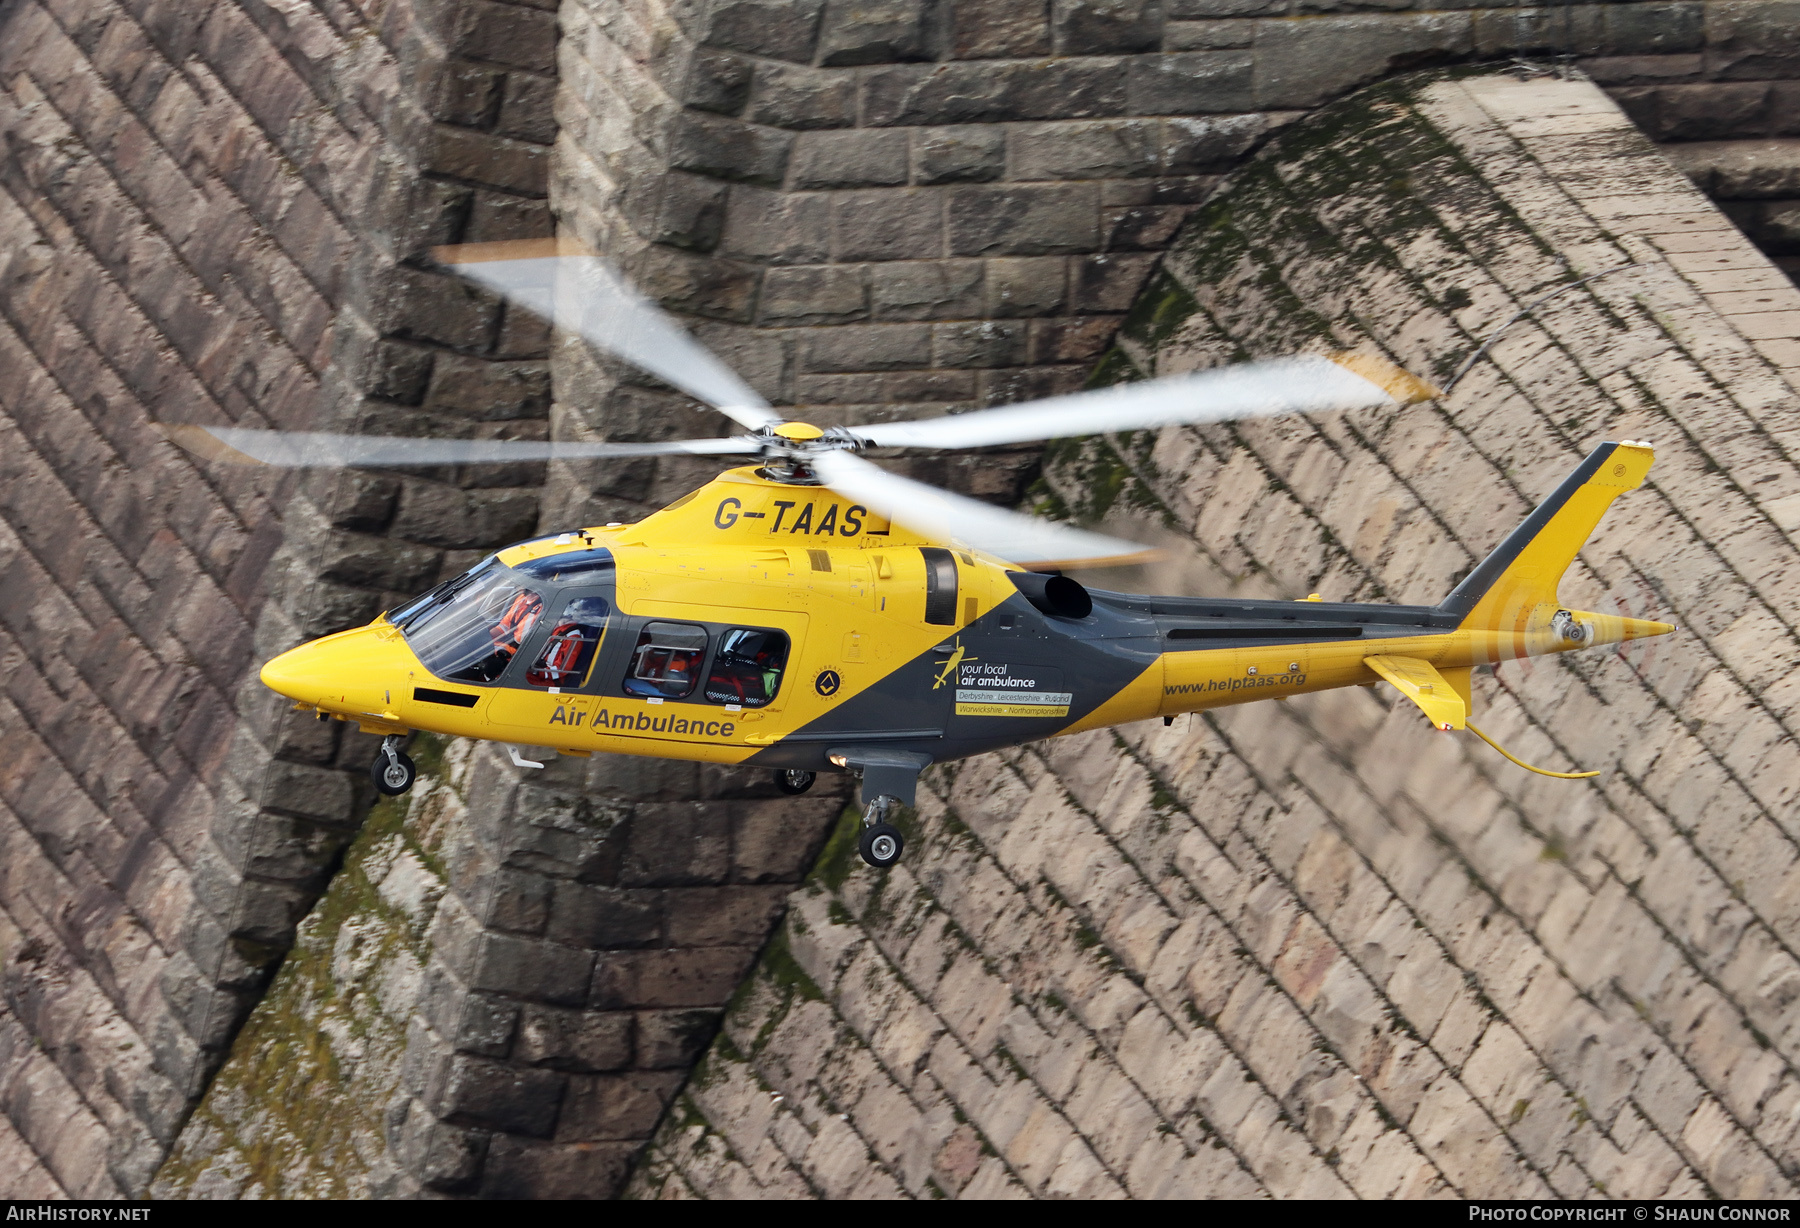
666,662
568,654
747,668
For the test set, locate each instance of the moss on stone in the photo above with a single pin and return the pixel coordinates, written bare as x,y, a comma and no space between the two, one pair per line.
298,1109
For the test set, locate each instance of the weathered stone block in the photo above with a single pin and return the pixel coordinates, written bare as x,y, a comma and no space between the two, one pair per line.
868,347
1191,83
728,149
501,217
458,92
1220,35
987,343
1097,149
790,96
668,1040
517,901
966,154
1752,41
986,93
1097,27
478,157
432,307
690,212
528,111
875,32
985,29
854,159
1303,63
500,1096
1194,10
613,1107
718,81
461,520
779,29
1142,229
815,294
676,844
1071,340
485,390
563,835
523,1168
777,228
699,977
583,915
1710,112
1110,282
1194,146
541,971
894,225
361,501
508,34
925,289
316,793
440,1156
468,1022
576,1041
1023,221
1036,286
1656,29
723,916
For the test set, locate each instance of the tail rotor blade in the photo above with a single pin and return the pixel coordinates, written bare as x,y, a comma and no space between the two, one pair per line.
321,450
1302,384
945,517
579,292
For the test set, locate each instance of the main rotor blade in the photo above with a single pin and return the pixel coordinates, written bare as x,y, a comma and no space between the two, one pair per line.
580,293
936,513
320,450
1302,384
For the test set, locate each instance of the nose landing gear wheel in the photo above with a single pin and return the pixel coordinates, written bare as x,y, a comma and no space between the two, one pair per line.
794,781
881,845
392,772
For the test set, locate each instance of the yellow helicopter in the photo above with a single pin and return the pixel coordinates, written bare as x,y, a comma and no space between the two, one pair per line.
812,612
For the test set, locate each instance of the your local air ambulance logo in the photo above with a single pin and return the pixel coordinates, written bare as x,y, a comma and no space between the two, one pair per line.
958,655
1000,688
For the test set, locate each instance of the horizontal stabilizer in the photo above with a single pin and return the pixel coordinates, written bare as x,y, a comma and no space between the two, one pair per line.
1444,700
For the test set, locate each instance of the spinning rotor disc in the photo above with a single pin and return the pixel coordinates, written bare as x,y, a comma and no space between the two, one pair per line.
580,293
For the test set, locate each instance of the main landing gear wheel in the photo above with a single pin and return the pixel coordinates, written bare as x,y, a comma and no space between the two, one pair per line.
794,781
881,845
392,772
881,841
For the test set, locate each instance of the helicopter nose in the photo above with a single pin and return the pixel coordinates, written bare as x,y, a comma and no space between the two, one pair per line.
301,673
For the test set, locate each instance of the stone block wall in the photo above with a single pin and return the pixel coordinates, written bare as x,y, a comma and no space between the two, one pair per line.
220,215
208,215
502,991
1314,947
921,206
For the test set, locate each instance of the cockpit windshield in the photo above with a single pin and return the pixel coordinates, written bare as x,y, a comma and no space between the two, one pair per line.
469,629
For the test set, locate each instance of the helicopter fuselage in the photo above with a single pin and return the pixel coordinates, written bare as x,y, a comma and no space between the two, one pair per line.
768,623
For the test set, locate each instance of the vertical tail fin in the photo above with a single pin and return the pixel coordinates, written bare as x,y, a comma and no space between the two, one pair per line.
1514,589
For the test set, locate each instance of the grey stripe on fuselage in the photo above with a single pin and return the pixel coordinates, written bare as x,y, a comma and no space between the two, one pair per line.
1092,658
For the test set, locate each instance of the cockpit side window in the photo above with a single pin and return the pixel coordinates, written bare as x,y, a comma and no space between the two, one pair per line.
568,654
470,629
747,668
666,662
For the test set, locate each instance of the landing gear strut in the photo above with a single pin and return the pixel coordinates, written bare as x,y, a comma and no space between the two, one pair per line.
881,842
392,772
794,781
